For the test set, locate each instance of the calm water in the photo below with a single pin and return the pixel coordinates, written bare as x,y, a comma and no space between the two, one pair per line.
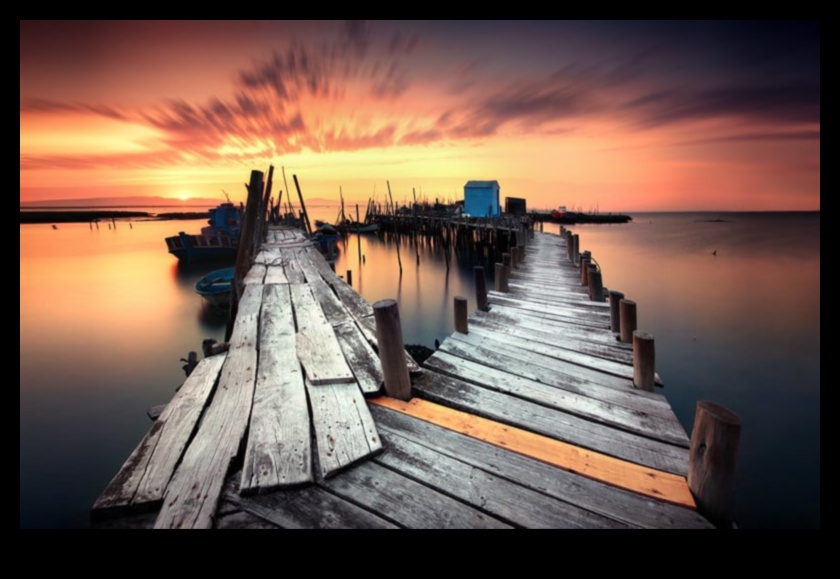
106,315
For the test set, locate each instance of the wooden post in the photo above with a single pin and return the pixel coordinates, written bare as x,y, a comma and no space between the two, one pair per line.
350,277
392,349
303,207
461,314
480,288
191,362
711,461
501,278
596,285
246,235
615,318
627,309
506,261
521,251
584,270
575,247
644,361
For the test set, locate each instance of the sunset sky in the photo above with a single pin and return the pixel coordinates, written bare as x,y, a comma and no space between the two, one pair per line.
595,115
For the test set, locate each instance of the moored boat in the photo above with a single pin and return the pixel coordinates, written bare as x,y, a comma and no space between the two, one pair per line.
215,287
218,239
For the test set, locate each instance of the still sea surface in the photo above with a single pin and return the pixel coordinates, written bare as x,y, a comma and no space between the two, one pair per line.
732,299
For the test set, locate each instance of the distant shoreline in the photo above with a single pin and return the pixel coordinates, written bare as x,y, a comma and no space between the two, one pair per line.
87,216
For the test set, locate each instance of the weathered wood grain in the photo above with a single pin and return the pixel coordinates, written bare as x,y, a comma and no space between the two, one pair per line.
316,344
190,499
406,502
585,492
605,468
361,358
309,507
345,432
552,423
541,386
255,275
509,501
144,476
278,451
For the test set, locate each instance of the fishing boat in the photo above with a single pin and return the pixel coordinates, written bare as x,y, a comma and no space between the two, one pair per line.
215,287
218,239
326,238
355,227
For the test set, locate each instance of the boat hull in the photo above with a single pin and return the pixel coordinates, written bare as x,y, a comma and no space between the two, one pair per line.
198,247
215,287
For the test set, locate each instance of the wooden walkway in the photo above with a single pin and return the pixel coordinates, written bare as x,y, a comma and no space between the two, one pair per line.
528,420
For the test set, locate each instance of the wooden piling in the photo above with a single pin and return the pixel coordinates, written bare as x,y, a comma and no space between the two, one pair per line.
246,235
644,361
303,207
392,349
615,318
350,277
501,278
461,314
711,464
521,253
480,288
584,271
627,309
575,247
596,284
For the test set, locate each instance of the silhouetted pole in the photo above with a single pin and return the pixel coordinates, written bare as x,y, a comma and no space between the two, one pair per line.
389,339
303,207
246,236
480,288
350,277
615,317
575,247
711,463
627,310
644,361
461,314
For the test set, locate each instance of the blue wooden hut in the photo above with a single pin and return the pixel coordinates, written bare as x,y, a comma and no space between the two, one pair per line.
481,198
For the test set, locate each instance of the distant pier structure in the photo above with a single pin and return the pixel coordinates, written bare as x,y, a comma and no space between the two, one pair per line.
531,414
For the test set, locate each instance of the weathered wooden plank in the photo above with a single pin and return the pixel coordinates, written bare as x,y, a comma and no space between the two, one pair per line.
278,451
361,358
191,497
344,430
481,336
549,337
144,476
316,344
549,312
587,493
542,386
309,507
355,303
335,312
509,501
549,422
291,267
405,502
546,329
625,474
255,275
529,291
276,274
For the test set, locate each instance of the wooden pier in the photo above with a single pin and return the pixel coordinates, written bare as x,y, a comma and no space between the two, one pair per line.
530,419
539,411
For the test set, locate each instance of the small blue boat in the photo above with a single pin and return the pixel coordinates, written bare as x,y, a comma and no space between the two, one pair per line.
215,287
